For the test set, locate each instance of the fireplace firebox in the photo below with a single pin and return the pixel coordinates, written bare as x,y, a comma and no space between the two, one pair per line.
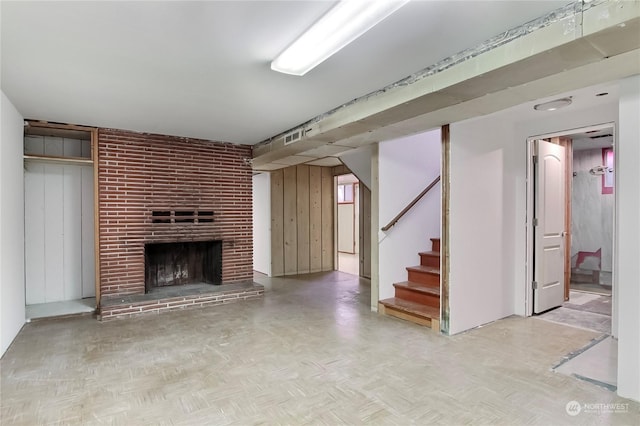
181,263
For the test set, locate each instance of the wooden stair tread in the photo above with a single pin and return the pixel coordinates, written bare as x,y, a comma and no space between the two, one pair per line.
412,307
426,269
420,288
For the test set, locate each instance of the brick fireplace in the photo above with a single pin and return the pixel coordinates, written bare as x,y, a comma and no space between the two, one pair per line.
158,192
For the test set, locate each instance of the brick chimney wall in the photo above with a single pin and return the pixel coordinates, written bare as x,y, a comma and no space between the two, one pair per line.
142,173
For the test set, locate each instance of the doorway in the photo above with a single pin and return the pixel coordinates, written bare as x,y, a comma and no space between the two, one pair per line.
592,200
571,207
571,196
347,224
571,211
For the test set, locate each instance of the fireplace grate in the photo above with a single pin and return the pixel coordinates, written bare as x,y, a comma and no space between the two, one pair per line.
181,263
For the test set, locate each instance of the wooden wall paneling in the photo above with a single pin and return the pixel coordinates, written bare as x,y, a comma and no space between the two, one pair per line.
54,232
327,220
72,235
303,218
365,231
277,223
375,225
290,222
315,219
88,259
34,232
340,170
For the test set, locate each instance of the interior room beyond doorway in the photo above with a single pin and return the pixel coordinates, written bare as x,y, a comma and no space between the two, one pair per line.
347,224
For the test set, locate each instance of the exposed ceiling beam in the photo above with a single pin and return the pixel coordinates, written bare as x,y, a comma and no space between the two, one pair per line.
594,46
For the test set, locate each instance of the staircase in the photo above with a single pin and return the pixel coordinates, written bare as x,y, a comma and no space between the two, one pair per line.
418,299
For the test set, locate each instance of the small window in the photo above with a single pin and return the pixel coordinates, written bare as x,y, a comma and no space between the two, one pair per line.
345,193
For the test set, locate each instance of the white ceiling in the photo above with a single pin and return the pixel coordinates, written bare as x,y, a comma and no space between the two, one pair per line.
201,69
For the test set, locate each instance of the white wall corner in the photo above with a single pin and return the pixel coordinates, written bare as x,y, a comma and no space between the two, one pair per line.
628,243
12,295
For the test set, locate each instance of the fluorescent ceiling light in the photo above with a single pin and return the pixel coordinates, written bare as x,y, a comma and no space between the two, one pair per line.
344,23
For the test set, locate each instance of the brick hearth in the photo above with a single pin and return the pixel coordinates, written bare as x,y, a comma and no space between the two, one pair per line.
175,298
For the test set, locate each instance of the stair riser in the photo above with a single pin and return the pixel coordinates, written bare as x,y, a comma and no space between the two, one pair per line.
435,244
422,298
426,260
433,323
431,280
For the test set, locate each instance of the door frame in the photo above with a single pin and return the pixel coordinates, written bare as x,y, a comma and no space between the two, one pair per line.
529,233
358,225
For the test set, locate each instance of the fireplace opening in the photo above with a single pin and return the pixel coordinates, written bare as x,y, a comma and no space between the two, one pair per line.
172,264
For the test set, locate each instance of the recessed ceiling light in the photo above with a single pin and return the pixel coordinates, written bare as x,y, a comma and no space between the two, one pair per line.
553,105
602,94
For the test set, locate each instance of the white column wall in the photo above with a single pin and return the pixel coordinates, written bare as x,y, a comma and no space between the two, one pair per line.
484,171
406,166
262,223
12,311
628,230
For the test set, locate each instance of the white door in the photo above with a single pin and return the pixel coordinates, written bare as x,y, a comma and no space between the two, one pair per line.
59,235
549,224
346,236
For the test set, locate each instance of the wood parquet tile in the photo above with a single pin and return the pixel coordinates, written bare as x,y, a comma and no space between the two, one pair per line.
310,353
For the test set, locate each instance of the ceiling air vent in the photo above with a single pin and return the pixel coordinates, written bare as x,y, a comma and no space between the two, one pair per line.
292,137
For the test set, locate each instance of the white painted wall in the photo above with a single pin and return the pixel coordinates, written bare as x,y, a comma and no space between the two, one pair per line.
488,208
482,221
628,231
359,162
406,166
262,223
12,312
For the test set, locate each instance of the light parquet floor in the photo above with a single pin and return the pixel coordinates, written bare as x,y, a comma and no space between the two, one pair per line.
309,352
